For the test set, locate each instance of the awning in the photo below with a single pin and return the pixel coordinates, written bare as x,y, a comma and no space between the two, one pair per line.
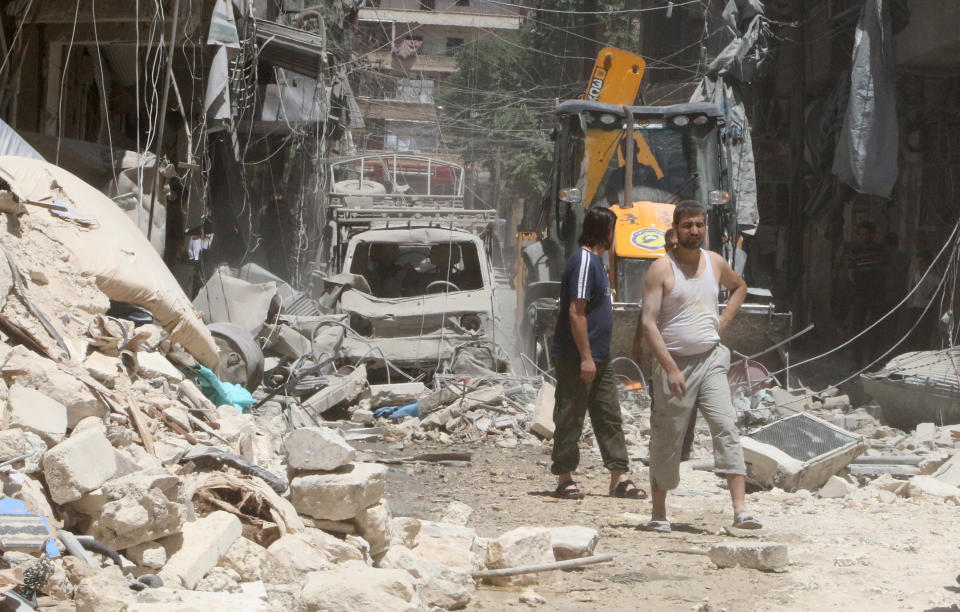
297,50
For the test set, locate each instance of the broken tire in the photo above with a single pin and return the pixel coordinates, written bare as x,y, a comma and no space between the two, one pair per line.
241,360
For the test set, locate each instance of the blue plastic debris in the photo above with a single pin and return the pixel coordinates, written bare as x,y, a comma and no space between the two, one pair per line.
398,412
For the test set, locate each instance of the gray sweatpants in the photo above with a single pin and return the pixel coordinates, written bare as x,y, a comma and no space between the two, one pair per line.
705,378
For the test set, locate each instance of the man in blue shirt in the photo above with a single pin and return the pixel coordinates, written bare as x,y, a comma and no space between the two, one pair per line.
581,351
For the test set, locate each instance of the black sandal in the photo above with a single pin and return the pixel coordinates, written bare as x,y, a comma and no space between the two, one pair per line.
625,492
568,490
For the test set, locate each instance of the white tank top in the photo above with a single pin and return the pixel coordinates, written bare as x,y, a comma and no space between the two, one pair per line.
689,321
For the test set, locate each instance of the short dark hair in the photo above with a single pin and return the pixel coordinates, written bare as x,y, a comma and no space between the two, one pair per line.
688,208
597,224
867,225
668,233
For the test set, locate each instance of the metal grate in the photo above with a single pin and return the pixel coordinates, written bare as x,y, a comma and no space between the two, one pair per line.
802,437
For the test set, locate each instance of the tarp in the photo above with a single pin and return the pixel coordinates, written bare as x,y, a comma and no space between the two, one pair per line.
735,64
113,251
11,143
866,156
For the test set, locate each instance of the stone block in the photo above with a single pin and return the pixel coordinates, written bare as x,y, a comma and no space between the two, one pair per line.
254,562
317,448
138,508
573,541
362,416
104,368
33,411
359,589
451,545
404,530
949,472
543,411
180,600
339,495
294,551
149,554
36,372
929,486
755,555
520,546
17,443
202,545
835,487
456,513
373,525
78,465
396,394
440,585
337,550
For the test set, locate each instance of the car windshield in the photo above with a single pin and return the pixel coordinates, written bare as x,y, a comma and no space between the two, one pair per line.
394,269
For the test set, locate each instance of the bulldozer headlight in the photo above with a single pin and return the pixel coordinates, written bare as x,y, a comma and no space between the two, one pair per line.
471,322
718,197
700,120
608,119
680,120
570,195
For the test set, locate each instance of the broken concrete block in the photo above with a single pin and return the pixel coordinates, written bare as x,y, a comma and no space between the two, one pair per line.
928,486
317,448
573,541
137,508
78,465
520,546
451,545
202,544
339,495
181,600
17,443
763,556
359,589
155,365
362,416
337,550
219,580
105,590
396,394
456,513
36,372
294,551
104,368
254,562
404,530
148,554
949,472
440,586
33,411
340,390
835,487
543,411
373,525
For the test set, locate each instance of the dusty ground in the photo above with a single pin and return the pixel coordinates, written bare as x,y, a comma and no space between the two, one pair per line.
856,555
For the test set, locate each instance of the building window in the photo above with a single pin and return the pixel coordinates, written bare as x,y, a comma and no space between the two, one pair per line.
453,44
463,3
428,5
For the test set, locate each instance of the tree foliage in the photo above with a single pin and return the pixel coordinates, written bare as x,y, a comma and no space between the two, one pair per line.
499,102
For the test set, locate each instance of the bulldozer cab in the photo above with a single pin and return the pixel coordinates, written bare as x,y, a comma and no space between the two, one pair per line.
676,154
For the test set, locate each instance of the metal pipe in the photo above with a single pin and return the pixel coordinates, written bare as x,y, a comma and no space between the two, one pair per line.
543,567
627,201
163,117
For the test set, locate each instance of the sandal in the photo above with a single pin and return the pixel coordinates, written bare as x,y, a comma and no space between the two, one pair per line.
745,520
568,490
623,490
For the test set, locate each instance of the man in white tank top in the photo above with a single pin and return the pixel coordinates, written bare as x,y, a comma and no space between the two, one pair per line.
682,325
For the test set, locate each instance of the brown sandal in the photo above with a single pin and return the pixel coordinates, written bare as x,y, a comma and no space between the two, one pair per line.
625,492
568,490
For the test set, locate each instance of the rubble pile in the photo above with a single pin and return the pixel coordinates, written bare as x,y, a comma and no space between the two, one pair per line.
125,487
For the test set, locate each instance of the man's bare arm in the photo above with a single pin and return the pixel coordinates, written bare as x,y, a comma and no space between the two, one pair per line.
735,284
578,328
652,299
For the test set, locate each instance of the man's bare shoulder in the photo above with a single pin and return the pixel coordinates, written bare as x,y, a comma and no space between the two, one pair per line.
659,268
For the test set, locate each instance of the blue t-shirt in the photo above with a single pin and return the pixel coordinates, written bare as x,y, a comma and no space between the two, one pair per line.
584,278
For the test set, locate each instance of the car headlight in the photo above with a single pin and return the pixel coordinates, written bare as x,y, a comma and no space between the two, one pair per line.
471,322
361,325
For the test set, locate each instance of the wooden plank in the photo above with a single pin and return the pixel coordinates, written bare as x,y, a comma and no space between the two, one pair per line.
137,417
